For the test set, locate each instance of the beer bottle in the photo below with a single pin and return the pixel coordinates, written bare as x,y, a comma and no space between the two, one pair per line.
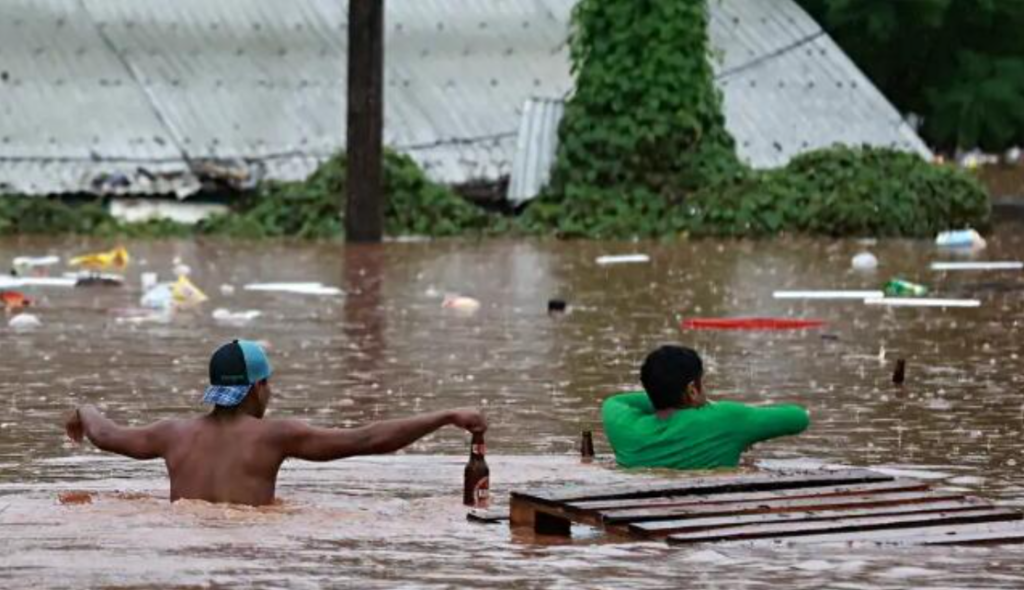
477,489
587,446
900,373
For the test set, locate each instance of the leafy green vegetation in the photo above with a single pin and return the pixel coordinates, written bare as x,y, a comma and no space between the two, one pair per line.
957,63
307,209
644,151
843,191
644,126
39,215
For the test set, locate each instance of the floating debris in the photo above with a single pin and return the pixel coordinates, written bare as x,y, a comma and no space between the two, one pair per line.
864,261
460,302
858,295
899,287
964,238
235,317
23,265
118,258
20,282
306,288
1001,265
750,324
24,321
14,300
922,302
623,259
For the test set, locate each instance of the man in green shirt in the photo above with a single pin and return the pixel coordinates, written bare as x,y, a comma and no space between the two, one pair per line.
674,425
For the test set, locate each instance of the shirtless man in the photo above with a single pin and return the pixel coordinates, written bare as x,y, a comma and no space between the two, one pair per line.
232,454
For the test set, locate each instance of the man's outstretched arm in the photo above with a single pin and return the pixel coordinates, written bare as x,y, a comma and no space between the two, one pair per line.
146,442
302,441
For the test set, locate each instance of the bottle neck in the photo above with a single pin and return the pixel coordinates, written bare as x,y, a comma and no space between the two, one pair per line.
477,448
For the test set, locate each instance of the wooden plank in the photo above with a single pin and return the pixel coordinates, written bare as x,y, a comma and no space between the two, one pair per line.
543,519
985,533
663,528
714,484
846,525
899,485
784,505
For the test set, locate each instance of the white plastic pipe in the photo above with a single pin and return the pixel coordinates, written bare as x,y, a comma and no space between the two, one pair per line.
859,295
922,302
1007,265
623,259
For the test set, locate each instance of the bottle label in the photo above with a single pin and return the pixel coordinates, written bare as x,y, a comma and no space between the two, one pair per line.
478,449
482,491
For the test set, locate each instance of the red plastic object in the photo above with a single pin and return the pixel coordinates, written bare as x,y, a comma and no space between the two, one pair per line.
750,324
13,300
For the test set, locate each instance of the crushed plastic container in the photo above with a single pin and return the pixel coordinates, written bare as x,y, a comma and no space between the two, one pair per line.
116,259
177,295
13,300
901,288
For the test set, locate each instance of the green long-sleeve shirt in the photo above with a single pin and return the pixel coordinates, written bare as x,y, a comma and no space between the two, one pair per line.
714,435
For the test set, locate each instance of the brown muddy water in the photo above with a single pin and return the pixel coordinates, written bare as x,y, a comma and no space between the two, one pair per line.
387,348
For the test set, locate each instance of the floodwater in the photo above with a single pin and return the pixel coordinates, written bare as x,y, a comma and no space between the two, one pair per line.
386,348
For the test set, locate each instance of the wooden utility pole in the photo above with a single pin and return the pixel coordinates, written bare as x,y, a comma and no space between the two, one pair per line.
364,210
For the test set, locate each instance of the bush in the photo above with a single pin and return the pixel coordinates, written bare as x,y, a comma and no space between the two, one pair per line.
843,191
310,209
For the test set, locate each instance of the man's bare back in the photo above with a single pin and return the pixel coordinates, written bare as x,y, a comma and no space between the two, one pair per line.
233,454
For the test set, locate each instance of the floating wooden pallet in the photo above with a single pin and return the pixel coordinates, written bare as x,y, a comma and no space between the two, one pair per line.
854,505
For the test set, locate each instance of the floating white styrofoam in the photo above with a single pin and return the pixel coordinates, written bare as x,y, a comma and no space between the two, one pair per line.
922,302
623,259
235,317
864,261
1002,265
24,321
307,288
15,282
460,302
34,261
858,295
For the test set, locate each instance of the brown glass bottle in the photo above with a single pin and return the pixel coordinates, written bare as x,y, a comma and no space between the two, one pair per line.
477,489
899,375
587,446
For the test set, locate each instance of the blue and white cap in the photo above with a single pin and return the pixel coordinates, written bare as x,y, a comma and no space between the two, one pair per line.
234,369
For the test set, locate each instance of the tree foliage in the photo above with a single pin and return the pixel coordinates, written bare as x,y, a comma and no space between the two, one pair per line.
957,63
644,151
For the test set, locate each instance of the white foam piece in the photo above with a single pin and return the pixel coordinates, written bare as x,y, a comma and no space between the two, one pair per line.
16,282
623,259
858,295
307,288
1001,265
35,261
922,302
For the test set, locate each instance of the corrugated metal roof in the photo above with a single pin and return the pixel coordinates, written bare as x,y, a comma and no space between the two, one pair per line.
261,81
787,88
535,148
127,97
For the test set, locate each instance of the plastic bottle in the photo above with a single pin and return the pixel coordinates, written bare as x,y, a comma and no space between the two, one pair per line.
901,288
